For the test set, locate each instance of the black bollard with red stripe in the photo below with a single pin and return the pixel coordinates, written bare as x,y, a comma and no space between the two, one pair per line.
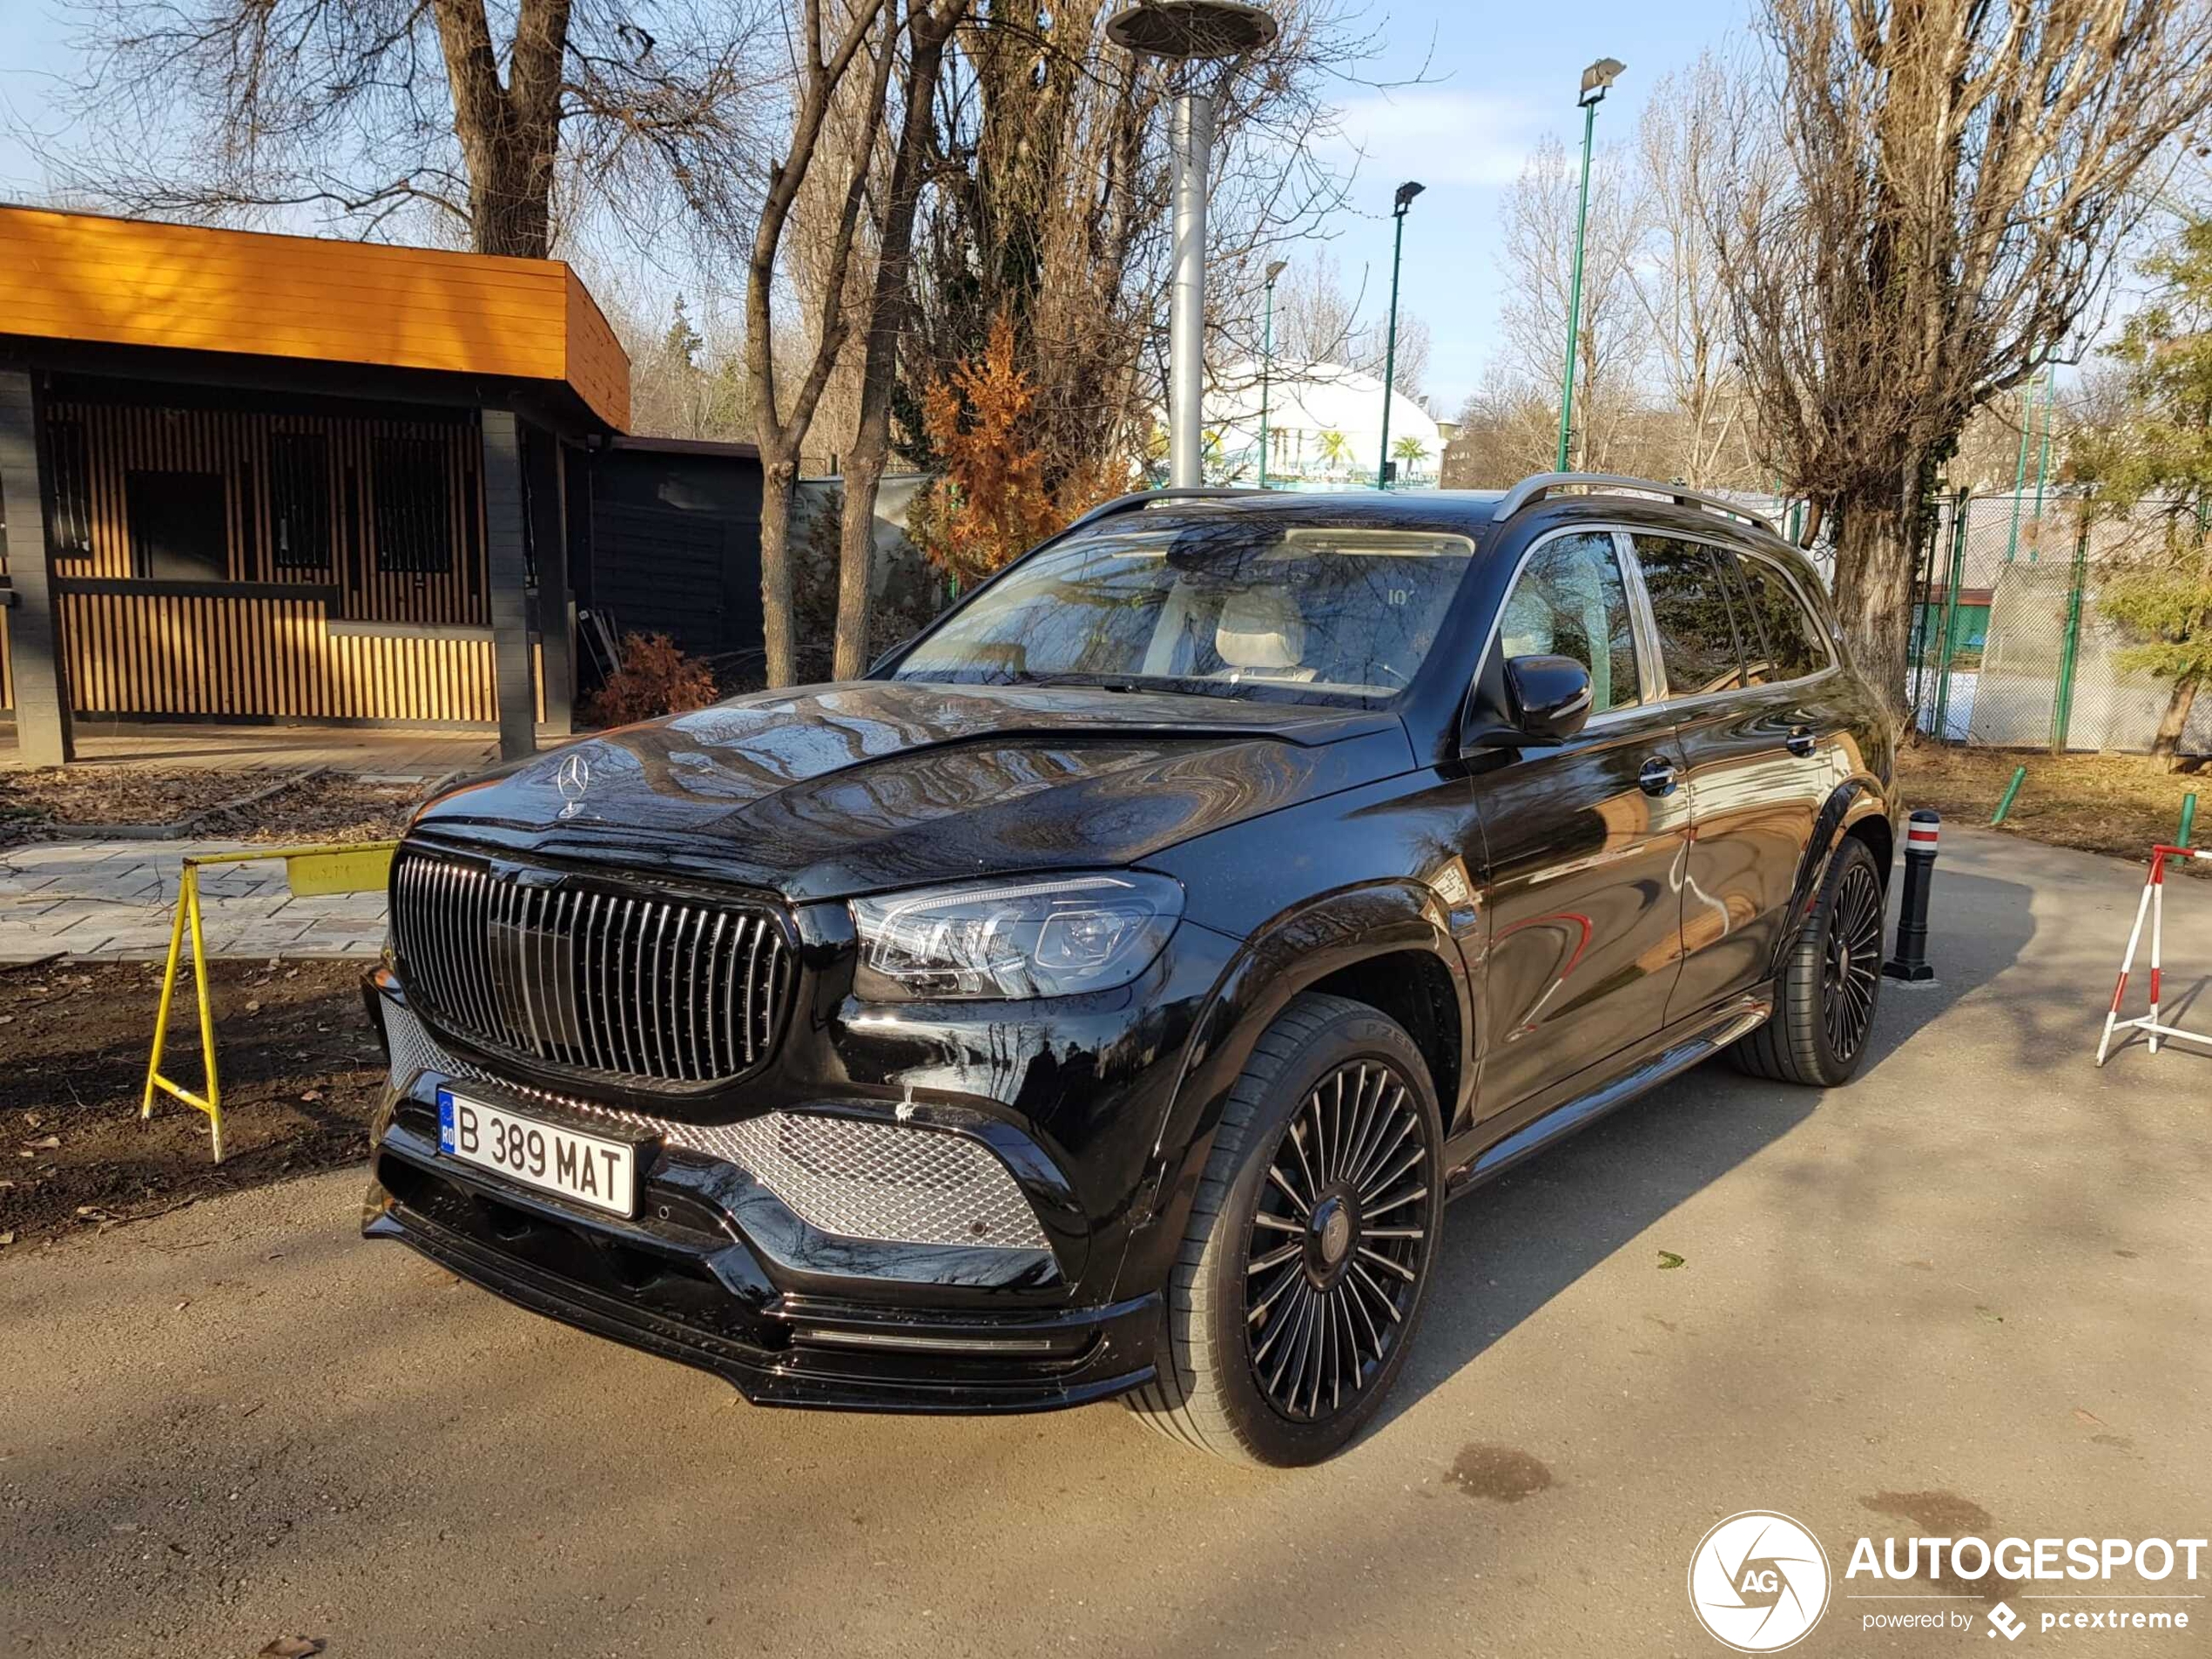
1910,963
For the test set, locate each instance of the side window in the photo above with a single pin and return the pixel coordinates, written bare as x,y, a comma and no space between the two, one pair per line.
1570,602
1795,646
1698,624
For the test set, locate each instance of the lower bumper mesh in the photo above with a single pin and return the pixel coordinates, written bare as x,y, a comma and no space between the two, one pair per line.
853,1178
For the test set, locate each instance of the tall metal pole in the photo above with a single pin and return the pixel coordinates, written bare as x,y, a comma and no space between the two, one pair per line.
1266,354
1390,345
2043,467
2019,473
1191,135
1961,515
1574,291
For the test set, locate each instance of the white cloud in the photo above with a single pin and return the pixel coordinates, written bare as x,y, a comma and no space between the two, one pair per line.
1439,135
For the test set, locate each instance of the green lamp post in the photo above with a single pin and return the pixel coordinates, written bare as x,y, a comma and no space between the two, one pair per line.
1404,199
1596,79
1266,354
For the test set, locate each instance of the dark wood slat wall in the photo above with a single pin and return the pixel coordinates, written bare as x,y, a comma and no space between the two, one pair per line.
143,651
191,654
121,439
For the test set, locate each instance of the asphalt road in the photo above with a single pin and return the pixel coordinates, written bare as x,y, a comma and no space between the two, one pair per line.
1972,1292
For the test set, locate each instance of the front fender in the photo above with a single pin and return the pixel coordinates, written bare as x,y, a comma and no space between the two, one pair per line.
1291,953
1849,807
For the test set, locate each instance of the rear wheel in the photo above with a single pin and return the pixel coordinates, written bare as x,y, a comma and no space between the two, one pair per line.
1307,1256
1826,994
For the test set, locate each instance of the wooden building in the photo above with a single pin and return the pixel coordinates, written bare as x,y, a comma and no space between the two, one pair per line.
249,478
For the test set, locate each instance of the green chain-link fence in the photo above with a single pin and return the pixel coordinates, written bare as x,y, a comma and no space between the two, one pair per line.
2011,648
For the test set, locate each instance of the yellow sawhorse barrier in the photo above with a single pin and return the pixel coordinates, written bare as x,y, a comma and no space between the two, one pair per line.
353,867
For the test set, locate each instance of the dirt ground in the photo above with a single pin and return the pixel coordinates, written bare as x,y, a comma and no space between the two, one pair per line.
2117,805
38,805
300,1070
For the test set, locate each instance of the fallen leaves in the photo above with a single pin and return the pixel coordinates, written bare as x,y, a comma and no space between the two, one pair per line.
1669,1259
293,1648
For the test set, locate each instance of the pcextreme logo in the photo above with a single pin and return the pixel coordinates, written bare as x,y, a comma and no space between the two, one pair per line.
1758,1582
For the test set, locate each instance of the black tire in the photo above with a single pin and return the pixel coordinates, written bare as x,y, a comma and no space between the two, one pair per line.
1225,1367
1829,984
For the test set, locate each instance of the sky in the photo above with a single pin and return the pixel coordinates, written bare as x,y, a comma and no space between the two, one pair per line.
1496,79
1492,80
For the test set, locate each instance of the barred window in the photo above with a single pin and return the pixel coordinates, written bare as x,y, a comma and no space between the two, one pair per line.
299,500
70,532
413,494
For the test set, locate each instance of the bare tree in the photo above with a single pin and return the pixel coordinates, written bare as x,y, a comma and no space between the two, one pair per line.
539,115
1681,155
930,25
827,50
1536,257
1926,200
1050,208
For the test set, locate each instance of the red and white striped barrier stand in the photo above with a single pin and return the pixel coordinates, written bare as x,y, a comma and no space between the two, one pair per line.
2153,902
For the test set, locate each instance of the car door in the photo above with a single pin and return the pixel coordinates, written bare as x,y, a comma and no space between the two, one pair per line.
1745,665
1584,840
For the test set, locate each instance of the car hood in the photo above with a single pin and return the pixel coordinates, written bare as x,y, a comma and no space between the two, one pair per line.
856,787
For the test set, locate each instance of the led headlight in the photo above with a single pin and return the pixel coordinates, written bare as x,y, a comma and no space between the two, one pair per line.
1048,937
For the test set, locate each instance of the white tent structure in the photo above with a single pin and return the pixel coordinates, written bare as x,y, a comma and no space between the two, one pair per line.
1324,428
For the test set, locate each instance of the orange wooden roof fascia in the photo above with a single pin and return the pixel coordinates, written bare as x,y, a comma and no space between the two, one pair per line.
139,282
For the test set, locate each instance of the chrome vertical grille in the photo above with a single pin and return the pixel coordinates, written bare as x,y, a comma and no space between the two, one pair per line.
581,975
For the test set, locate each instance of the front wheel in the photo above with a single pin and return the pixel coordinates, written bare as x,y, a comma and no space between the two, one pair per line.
1309,1251
1825,994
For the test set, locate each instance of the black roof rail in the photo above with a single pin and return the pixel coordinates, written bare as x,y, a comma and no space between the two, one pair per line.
1138,498
1534,488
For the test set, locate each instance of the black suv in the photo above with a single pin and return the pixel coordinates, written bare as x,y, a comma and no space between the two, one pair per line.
1103,997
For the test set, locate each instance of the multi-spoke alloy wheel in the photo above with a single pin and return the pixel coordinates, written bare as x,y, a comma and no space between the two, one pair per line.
1308,1249
1852,970
1828,980
1337,1242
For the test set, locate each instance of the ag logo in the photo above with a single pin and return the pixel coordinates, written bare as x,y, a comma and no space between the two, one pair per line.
1758,1582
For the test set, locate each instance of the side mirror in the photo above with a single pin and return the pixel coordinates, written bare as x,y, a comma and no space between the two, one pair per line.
1548,698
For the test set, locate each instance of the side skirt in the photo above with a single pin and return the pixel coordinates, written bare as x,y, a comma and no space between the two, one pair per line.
1694,1041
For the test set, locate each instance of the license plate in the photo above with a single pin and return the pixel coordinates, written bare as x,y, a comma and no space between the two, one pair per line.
601,1174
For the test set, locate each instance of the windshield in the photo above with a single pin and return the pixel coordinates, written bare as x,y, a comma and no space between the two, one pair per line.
1234,605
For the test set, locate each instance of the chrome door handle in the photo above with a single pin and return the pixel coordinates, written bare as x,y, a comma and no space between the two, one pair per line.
1657,776
1801,743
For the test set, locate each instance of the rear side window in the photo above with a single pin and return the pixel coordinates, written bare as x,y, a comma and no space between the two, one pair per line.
1570,602
1793,641
1697,622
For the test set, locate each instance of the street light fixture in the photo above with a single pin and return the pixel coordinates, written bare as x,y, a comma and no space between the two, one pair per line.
1266,354
1597,79
1400,203
1185,31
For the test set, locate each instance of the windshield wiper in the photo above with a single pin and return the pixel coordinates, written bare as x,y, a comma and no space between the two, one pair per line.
1089,682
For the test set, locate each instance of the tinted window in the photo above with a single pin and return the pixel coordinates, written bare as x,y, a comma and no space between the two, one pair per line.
1570,602
1794,646
1696,623
177,525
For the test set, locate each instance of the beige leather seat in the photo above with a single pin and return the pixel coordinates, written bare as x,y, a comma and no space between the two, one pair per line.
1261,636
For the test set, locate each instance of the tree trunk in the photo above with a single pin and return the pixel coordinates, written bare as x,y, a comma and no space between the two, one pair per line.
778,478
1874,589
928,30
2167,746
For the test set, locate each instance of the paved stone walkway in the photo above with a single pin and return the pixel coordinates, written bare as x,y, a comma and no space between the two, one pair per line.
115,899
374,751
